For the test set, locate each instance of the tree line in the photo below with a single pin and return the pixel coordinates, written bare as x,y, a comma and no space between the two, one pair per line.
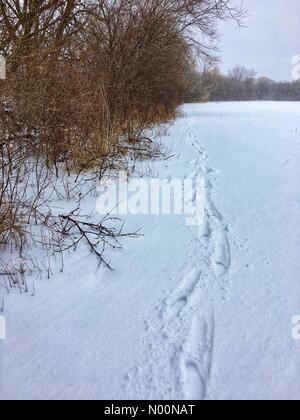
240,84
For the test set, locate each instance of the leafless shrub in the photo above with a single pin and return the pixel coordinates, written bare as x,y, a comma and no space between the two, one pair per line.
71,229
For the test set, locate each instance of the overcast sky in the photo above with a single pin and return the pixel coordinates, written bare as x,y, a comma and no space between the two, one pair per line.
269,41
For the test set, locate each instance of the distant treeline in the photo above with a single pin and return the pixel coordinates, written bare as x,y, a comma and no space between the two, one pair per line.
239,85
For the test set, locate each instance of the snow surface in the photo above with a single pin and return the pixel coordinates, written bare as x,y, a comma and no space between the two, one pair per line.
186,314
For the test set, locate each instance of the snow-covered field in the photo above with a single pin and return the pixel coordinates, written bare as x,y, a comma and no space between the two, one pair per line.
187,313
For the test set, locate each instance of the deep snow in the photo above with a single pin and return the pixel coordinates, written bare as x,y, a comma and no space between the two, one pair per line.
187,313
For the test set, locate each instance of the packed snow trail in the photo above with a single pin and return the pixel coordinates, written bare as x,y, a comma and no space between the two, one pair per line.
188,313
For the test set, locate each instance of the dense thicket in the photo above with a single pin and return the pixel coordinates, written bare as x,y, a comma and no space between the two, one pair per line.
85,80
90,75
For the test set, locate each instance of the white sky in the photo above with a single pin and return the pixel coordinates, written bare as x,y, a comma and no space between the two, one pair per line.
269,41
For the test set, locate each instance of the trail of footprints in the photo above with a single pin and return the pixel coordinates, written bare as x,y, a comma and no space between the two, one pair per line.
187,320
213,256
179,299
196,359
